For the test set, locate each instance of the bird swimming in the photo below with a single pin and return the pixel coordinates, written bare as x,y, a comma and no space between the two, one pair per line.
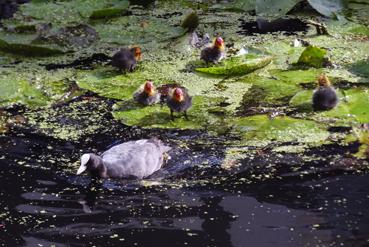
138,159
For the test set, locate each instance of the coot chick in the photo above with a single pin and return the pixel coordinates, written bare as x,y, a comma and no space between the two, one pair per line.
325,97
214,53
138,159
179,101
146,94
126,59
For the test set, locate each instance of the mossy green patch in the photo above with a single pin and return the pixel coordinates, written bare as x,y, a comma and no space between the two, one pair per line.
3,121
361,68
352,108
33,88
61,13
313,56
137,30
260,130
237,65
302,100
297,76
21,44
114,11
202,115
71,122
362,135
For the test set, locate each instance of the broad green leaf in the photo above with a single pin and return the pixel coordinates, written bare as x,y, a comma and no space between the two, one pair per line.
313,56
273,8
202,115
328,8
237,65
260,130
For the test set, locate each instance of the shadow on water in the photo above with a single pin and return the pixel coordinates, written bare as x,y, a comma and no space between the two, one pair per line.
270,200
262,26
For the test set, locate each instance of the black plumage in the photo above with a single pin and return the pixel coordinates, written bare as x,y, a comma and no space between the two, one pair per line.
179,101
124,60
324,98
211,54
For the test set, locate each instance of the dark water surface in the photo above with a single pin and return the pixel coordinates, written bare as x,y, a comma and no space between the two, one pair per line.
46,204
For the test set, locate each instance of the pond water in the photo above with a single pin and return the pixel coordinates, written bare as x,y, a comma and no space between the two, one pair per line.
183,204
253,166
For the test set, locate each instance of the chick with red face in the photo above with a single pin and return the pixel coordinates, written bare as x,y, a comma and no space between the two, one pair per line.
214,53
147,94
325,96
126,58
179,101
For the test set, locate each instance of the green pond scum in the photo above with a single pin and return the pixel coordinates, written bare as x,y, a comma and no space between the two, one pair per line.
259,95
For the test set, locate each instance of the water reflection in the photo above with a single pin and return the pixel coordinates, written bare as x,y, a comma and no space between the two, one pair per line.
303,204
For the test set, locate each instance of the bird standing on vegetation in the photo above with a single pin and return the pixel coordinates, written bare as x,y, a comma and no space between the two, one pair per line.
325,97
146,94
179,101
214,53
138,159
126,59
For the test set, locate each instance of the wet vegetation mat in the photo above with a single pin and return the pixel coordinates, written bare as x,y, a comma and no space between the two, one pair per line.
252,159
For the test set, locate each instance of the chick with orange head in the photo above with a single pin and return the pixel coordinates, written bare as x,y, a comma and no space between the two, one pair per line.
325,96
214,53
179,101
147,94
126,58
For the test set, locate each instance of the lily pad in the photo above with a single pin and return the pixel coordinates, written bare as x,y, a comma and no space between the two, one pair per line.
361,68
201,115
115,11
76,37
237,65
33,88
271,8
21,44
137,30
236,5
313,56
352,108
260,130
62,13
328,8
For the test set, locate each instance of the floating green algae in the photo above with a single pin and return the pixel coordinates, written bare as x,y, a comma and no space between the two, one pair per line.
70,122
168,69
168,57
61,13
260,130
115,10
21,44
361,68
3,123
313,56
137,30
34,88
202,115
352,108
237,65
